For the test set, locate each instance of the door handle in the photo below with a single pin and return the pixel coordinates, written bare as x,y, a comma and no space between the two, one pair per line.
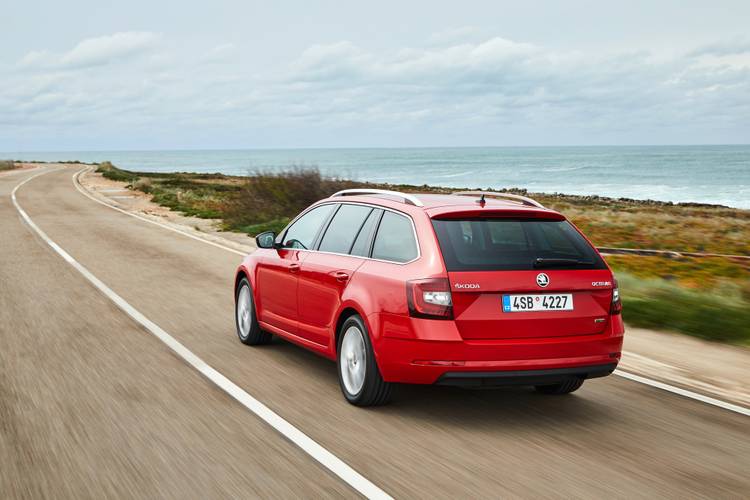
294,268
341,276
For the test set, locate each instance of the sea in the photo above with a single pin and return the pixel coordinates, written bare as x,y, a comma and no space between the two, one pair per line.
700,174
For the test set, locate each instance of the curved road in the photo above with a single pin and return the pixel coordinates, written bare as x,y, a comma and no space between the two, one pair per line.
92,405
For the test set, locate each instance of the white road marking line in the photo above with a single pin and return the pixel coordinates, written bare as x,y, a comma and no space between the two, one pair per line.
144,219
684,392
11,173
635,378
296,436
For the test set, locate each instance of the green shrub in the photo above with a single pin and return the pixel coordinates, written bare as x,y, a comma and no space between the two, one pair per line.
113,173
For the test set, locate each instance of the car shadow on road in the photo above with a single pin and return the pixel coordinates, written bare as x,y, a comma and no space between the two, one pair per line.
510,406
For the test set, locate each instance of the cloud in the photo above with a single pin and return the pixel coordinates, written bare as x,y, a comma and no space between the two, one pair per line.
105,49
36,58
724,48
464,90
97,51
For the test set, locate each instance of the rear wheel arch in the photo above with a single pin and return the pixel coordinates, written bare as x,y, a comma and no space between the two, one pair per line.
345,314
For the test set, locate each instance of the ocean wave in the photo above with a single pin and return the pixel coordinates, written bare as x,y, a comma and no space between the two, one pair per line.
457,174
563,169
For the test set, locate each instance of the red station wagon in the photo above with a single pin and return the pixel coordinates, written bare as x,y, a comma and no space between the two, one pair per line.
473,289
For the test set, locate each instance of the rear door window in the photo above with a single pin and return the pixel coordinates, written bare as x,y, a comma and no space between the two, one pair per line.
506,244
344,228
302,233
395,240
361,247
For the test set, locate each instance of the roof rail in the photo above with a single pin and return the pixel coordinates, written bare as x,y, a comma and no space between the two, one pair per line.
408,198
493,194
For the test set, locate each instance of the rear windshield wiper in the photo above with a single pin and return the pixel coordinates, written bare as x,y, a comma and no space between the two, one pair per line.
555,261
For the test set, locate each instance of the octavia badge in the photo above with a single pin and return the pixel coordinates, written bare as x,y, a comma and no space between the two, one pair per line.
542,280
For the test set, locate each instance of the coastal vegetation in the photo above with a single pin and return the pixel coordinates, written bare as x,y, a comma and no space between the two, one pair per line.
7,165
707,297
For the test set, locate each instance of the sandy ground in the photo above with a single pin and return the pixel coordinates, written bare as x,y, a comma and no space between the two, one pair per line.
709,368
19,167
92,406
115,193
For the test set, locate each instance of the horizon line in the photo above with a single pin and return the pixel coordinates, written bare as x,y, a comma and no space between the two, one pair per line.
309,148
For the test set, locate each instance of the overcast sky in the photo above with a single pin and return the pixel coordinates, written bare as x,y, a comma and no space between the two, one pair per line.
87,75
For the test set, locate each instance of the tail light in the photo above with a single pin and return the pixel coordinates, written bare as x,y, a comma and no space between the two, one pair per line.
616,307
430,298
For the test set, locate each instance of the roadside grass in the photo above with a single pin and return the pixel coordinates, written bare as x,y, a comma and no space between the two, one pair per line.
7,165
204,196
691,273
704,297
719,314
680,227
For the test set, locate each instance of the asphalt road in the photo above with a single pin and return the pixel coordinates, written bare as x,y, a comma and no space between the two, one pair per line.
92,405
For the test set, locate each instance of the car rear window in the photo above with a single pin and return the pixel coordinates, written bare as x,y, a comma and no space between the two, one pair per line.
510,244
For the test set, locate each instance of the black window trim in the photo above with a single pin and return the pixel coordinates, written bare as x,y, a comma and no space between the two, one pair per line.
359,231
324,227
371,243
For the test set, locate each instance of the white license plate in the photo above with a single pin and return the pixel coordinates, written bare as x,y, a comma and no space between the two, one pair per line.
538,302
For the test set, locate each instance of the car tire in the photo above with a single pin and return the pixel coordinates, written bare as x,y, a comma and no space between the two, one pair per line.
245,319
562,388
359,376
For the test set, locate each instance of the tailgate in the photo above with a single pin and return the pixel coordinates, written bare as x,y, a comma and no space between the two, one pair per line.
478,303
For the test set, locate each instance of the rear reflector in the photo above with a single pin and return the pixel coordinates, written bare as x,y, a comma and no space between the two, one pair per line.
427,362
430,298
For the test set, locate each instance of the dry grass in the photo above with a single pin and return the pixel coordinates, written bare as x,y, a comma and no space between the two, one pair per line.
7,165
266,201
688,229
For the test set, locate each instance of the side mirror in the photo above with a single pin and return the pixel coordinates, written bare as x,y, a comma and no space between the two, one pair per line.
266,240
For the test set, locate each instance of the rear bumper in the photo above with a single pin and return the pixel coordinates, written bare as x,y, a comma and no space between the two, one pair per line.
438,354
524,377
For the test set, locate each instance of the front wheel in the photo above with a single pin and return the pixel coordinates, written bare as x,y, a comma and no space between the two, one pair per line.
562,388
248,329
359,377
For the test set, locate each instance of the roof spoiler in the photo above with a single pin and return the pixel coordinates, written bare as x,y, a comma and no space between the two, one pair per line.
493,194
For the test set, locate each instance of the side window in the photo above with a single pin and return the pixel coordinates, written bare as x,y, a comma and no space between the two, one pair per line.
361,245
395,239
302,233
344,228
